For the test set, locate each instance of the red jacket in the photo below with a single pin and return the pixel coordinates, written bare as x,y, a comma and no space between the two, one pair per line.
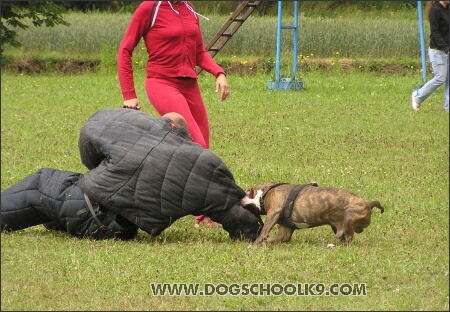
174,44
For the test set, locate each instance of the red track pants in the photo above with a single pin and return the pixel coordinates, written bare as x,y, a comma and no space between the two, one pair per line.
183,97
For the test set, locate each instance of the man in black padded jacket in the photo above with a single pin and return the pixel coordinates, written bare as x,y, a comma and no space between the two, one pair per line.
143,173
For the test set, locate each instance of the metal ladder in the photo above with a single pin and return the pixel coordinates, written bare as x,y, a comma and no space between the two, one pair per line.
227,31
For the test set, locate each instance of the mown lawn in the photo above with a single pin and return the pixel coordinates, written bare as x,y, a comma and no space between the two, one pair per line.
350,130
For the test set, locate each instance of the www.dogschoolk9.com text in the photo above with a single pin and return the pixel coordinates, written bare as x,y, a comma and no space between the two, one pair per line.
258,289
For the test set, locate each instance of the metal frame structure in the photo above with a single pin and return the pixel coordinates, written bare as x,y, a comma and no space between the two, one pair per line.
422,41
245,9
293,82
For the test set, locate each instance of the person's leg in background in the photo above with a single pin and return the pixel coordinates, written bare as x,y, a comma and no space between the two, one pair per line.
439,64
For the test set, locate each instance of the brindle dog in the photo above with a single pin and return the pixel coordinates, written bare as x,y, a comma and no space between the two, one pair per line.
304,206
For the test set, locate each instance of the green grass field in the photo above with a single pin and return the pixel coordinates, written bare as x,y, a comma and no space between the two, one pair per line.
350,130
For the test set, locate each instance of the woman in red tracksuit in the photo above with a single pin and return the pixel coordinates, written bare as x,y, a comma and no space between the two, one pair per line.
174,43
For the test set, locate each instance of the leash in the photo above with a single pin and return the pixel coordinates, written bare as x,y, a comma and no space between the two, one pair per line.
91,209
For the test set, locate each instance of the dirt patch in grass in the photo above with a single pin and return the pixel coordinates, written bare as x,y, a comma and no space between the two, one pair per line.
37,66
234,67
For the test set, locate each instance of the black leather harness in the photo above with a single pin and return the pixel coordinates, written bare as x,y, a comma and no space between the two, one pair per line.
285,218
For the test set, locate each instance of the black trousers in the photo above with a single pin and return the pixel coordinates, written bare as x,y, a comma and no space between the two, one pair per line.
51,197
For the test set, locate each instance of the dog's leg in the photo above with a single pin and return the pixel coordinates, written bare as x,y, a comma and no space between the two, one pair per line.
348,236
348,227
271,220
284,235
338,229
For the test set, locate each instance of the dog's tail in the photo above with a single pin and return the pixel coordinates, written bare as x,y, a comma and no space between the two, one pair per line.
376,204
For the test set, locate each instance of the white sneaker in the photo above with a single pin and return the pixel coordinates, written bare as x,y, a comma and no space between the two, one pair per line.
414,105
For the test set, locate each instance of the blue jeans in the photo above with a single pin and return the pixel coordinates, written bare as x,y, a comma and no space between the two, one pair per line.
439,64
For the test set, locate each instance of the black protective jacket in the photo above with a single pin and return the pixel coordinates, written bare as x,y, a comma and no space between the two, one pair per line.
149,171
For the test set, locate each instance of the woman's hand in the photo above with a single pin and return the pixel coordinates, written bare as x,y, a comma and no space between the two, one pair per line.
222,85
132,104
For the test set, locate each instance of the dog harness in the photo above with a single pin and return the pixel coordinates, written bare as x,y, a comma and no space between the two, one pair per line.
285,218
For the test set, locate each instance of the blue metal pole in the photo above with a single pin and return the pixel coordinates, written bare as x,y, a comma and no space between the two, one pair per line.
286,83
277,62
294,52
422,40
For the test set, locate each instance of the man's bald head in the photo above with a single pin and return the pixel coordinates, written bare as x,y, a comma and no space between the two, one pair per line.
177,118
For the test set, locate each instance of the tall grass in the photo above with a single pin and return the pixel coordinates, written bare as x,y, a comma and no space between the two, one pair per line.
350,130
94,34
